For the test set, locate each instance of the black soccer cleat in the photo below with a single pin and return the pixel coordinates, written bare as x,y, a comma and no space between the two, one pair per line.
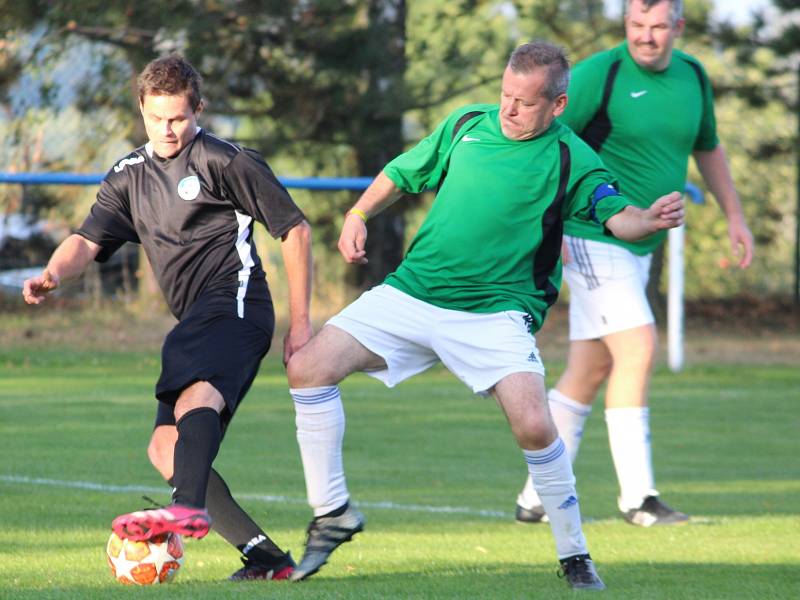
325,534
252,570
534,514
654,512
580,573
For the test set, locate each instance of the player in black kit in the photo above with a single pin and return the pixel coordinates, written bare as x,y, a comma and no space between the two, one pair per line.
191,200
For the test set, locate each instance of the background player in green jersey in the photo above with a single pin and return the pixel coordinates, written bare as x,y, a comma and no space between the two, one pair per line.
644,107
473,288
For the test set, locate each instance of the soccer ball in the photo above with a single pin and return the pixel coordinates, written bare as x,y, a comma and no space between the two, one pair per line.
145,563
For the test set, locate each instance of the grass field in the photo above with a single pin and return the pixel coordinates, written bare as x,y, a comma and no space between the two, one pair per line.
433,467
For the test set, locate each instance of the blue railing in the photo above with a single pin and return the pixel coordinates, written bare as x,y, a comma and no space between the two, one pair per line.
306,183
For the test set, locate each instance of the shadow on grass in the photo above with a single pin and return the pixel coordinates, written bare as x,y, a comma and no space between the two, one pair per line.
672,581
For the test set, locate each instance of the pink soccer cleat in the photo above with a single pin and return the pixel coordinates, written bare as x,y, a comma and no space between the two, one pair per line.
175,518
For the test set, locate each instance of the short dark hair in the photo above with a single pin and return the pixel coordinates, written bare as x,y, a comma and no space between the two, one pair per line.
675,8
170,75
537,54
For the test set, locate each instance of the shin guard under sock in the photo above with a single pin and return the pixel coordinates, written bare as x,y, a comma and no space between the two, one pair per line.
199,436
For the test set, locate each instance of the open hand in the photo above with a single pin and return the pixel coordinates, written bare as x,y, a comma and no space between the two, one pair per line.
35,289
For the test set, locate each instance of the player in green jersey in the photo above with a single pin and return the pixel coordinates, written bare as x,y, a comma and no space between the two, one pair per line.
644,107
471,291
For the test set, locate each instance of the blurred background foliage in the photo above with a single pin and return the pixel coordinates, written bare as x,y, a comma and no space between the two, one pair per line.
337,88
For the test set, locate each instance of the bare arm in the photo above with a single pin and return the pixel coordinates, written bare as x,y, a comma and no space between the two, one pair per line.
296,251
713,167
381,193
633,223
69,260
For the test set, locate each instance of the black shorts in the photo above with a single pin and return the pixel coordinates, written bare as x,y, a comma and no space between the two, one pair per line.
212,343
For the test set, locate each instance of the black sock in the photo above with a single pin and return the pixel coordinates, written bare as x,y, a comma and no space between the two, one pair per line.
199,436
236,526
336,512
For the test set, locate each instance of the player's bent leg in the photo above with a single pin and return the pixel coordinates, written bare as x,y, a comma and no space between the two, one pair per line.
588,365
261,557
628,422
329,357
313,374
522,398
199,435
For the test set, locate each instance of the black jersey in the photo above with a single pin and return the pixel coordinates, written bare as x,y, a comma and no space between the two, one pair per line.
193,214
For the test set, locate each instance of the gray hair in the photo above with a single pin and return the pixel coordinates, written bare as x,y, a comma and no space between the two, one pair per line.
675,8
537,54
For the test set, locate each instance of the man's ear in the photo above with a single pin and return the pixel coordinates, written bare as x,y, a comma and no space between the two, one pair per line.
679,27
560,105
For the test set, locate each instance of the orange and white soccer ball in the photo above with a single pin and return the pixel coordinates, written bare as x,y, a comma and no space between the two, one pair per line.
145,563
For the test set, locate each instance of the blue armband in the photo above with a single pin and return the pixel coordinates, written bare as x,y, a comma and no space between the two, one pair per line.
604,190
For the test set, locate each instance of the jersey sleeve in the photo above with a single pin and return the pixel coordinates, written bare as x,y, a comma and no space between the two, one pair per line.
109,223
707,134
252,187
593,193
585,93
421,168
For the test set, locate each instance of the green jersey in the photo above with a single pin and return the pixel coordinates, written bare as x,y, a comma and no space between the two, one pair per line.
492,239
643,124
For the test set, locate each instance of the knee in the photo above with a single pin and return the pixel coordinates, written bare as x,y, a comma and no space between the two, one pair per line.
638,359
584,375
296,371
535,431
598,372
306,370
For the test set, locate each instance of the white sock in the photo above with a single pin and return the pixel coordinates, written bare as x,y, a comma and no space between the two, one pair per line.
551,471
629,438
319,416
570,417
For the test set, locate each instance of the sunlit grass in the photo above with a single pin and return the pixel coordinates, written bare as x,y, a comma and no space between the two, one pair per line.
71,420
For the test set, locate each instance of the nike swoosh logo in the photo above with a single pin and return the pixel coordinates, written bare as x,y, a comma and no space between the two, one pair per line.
637,94
468,138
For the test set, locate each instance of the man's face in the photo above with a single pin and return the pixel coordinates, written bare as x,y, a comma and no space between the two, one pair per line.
525,111
170,123
651,34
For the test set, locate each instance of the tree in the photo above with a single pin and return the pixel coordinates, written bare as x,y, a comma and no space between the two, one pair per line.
326,87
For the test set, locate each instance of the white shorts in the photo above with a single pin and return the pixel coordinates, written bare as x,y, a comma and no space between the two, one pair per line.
412,336
606,289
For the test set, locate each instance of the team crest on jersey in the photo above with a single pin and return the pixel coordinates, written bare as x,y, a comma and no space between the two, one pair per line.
189,187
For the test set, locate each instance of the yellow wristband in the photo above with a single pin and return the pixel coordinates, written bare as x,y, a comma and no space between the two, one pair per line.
359,213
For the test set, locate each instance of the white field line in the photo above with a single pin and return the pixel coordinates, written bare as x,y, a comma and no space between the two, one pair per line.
141,489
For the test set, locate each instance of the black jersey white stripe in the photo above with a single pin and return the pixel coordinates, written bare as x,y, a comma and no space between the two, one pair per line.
194,216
